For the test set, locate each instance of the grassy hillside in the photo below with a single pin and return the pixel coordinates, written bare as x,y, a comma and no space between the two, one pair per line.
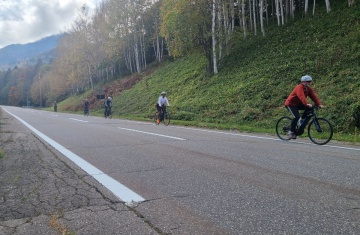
249,90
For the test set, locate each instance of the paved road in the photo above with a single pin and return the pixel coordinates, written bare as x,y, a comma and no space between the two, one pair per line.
198,181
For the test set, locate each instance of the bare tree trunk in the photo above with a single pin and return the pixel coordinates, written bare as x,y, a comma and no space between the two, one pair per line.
261,5
251,22
266,12
277,11
306,6
142,49
287,10
282,12
136,53
220,29
232,15
214,37
243,17
128,61
254,14
328,8
314,8
90,77
227,28
156,47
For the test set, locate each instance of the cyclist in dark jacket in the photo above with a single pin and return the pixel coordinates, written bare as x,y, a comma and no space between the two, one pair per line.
108,104
86,106
297,101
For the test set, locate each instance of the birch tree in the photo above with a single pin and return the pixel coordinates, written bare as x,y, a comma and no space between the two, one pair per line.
261,6
277,3
306,6
328,8
213,33
254,15
243,17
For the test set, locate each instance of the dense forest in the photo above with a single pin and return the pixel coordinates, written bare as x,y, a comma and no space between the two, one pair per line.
125,37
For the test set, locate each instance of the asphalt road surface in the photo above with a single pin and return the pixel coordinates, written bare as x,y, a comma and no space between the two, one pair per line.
196,181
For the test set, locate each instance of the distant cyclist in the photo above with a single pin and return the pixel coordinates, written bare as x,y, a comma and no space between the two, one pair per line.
297,101
161,107
108,104
55,106
86,107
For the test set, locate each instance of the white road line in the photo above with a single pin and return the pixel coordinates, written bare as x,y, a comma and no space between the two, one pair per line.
266,138
150,133
339,147
78,120
120,190
225,133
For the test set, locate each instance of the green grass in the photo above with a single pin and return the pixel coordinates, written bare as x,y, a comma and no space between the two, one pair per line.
248,92
2,153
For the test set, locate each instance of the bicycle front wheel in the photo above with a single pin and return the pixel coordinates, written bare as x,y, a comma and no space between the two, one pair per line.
320,131
166,120
283,127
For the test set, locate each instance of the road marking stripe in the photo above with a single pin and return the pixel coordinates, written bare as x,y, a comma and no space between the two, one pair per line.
266,138
150,133
120,190
78,120
225,133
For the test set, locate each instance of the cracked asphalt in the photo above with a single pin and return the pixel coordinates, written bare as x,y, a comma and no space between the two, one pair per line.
41,192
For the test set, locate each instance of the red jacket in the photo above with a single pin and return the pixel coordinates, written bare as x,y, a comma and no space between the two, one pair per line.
299,94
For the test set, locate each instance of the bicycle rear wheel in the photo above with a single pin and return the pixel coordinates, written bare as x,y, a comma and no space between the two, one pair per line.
155,118
166,120
283,127
320,131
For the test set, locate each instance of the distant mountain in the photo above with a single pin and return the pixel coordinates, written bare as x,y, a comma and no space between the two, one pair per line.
28,54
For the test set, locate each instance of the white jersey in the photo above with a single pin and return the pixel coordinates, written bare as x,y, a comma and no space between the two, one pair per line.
163,100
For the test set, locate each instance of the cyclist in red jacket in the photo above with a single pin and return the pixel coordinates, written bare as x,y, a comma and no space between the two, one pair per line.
297,101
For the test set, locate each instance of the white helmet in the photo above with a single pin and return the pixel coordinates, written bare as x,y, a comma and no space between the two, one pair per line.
306,78
109,98
163,93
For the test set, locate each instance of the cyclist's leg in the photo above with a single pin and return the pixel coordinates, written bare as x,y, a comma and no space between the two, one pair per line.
294,110
158,108
163,110
158,113
307,111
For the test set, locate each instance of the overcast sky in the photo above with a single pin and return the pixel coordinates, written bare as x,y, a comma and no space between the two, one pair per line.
24,21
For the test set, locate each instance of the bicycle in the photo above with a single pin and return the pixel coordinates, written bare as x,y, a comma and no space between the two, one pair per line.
319,130
164,117
107,113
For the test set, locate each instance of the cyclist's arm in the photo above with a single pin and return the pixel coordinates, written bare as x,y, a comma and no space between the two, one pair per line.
314,97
